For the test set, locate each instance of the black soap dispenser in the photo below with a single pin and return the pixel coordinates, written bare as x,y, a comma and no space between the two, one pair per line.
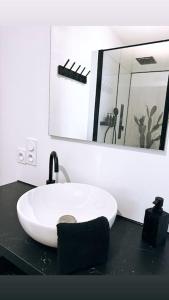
155,224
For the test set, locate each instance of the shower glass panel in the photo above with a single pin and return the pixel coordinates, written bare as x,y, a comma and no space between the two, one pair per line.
146,103
133,103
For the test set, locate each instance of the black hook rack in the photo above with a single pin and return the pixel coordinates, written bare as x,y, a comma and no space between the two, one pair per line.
62,70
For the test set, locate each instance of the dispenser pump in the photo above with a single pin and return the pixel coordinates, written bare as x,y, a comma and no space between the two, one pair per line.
155,224
158,204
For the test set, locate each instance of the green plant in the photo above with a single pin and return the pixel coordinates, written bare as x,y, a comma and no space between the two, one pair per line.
147,142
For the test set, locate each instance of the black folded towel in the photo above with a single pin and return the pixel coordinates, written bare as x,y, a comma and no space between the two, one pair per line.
82,245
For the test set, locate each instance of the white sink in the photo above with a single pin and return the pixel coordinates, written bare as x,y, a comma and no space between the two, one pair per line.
40,209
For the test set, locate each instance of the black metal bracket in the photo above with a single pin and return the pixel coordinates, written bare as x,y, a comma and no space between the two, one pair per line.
62,70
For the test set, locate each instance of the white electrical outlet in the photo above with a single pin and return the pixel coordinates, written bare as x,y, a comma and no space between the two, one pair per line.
21,155
31,151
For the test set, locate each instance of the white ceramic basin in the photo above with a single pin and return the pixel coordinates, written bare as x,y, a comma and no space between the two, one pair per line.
40,209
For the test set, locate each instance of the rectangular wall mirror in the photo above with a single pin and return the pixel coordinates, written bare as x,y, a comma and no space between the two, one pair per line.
125,101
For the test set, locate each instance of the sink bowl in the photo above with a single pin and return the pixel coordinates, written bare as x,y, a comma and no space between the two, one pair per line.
40,209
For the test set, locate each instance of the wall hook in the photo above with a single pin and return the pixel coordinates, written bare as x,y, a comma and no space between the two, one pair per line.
83,70
72,66
87,74
78,68
62,70
66,63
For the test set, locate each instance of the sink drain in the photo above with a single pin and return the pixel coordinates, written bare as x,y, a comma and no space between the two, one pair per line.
67,219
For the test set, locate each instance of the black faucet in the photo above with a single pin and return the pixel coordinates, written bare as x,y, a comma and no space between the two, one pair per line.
53,156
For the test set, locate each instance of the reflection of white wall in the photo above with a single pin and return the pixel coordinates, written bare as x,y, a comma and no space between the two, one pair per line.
127,57
108,93
146,89
69,99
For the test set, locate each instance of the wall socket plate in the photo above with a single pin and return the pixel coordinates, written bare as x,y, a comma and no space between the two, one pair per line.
31,151
30,158
21,155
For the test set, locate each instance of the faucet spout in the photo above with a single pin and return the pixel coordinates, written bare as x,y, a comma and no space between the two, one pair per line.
53,158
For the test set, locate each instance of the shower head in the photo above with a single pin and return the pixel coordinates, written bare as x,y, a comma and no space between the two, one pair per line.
146,60
115,111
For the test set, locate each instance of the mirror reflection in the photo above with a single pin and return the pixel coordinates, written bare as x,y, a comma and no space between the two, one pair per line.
128,103
133,101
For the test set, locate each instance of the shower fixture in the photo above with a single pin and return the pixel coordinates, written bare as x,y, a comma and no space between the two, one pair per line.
111,121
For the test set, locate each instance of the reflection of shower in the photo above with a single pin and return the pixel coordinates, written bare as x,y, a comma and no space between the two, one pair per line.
111,121
135,81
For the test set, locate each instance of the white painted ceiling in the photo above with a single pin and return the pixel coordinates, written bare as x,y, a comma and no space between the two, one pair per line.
129,35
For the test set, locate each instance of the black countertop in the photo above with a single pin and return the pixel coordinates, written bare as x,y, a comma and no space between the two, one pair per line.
128,255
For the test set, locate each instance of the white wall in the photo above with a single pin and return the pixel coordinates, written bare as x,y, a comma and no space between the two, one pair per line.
69,99
133,176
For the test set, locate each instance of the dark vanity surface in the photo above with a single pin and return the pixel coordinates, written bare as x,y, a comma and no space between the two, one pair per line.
128,255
